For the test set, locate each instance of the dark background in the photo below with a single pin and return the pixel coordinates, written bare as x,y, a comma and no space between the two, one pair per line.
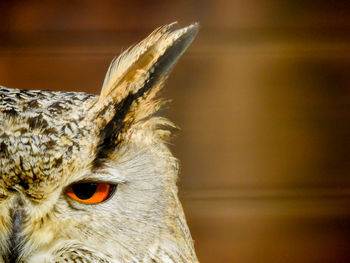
262,98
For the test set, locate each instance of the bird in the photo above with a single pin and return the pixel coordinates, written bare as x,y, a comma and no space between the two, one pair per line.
90,178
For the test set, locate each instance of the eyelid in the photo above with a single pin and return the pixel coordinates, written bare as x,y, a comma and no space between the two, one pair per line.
103,177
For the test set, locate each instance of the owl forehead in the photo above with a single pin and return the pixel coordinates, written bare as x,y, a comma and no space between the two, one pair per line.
39,134
21,104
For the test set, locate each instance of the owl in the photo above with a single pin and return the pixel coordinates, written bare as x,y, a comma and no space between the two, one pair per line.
87,178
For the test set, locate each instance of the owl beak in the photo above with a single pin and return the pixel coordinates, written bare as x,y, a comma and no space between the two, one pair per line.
14,239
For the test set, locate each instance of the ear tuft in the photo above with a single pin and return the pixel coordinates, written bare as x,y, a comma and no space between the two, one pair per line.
134,78
147,62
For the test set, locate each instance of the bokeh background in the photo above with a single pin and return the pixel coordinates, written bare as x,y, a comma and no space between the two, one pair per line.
262,98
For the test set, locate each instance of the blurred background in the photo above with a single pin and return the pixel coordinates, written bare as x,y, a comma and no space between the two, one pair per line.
262,98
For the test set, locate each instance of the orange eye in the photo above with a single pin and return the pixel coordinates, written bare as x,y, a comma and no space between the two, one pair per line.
90,193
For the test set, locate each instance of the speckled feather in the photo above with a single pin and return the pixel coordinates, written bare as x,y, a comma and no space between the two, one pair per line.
39,133
50,140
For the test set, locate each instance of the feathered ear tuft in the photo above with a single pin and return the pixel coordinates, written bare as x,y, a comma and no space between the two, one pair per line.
140,67
134,78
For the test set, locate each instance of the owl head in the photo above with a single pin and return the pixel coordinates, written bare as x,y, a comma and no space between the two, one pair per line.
86,178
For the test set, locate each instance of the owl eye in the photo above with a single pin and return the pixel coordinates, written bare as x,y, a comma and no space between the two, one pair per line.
90,192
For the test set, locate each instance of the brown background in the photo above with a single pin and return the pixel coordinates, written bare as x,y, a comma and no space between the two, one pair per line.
262,97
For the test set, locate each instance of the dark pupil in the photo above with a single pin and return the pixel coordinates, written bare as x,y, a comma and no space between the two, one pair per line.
84,190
